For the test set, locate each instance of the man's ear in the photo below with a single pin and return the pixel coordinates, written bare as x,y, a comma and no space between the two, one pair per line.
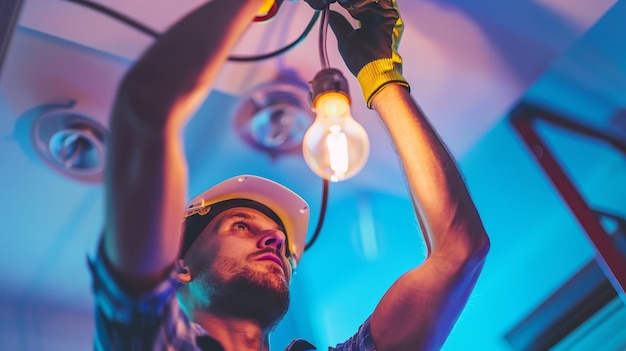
183,274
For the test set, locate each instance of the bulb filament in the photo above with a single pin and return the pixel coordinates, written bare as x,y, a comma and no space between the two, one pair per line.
337,145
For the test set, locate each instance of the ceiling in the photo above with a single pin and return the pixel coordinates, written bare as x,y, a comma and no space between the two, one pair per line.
469,63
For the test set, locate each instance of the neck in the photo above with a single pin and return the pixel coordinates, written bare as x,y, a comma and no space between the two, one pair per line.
234,334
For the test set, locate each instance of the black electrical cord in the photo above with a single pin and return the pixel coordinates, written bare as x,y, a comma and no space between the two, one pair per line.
322,39
151,32
296,42
118,16
325,64
320,220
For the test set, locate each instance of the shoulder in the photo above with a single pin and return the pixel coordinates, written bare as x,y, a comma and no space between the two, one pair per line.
361,341
122,318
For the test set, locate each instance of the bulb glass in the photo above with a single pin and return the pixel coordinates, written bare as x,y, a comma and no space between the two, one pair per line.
335,146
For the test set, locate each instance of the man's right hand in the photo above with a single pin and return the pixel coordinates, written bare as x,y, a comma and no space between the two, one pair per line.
371,51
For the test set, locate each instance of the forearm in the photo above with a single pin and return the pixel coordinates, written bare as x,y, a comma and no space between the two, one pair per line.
145,194
446,212
427,300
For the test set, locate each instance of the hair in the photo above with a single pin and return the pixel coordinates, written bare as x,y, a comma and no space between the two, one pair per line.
195,224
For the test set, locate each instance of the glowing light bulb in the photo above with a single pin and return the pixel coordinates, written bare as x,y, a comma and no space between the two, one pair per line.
335,146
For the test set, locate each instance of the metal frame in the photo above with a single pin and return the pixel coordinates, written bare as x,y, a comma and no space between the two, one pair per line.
610,259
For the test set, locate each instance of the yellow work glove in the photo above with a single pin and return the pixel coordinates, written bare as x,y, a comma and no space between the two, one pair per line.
371,51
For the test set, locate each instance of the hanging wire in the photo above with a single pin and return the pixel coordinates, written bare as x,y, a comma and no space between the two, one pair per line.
153,33
118,16
320,220
323,54
296,42
322,39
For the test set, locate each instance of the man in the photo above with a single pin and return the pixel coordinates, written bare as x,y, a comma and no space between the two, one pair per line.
227,286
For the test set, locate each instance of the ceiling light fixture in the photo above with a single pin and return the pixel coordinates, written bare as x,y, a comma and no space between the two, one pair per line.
71,144
274,116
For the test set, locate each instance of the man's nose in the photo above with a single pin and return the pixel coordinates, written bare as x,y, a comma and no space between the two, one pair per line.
272,238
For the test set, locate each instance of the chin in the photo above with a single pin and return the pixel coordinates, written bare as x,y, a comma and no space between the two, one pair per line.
255,293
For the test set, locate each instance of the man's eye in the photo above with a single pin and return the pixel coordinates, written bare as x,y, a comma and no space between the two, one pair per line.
240,226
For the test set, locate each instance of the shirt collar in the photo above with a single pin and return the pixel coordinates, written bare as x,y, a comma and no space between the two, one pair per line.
208,343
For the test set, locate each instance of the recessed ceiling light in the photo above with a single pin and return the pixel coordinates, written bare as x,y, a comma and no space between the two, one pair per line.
274,116
71,144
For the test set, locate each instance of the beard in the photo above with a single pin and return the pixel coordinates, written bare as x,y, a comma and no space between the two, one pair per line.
236,290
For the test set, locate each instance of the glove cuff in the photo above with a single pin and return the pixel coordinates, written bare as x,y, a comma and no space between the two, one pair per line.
376,74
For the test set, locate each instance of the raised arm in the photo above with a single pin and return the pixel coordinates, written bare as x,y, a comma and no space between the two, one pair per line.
146,177
421,307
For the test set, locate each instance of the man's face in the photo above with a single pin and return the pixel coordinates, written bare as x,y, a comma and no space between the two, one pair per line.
240,256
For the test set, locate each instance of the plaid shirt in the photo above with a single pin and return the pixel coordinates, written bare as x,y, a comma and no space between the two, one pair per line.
155,321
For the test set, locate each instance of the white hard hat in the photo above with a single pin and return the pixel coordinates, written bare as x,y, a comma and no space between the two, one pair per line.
290,209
